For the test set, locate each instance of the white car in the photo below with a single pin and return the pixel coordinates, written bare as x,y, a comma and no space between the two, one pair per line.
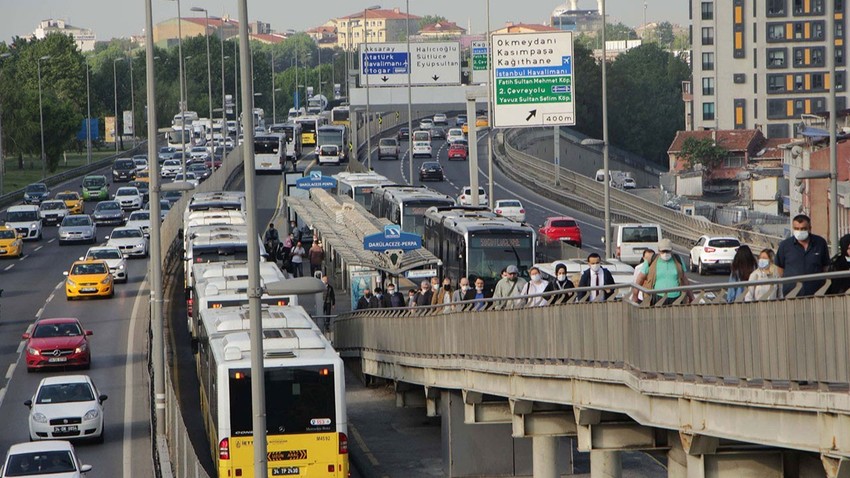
114,258
26,220
465,198
171,168
55,457
422,148
52,211
454,134
629,183
328,154
190,178
141,163
712,253
130,240
440,119
66,407
511,209
129,198
199,153
426,123
140,219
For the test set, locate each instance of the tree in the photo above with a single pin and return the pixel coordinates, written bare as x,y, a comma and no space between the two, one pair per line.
664,34
431,19
588,91
619,31
703,152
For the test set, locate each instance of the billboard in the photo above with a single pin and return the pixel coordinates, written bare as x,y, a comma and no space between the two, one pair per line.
94,124
128,123
109,135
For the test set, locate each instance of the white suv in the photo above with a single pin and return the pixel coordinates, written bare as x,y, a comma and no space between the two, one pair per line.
26,220
465,198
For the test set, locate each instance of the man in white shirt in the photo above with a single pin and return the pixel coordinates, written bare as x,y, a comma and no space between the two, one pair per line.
596,276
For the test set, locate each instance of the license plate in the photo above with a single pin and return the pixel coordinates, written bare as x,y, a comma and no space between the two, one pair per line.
57,359
286,470
88,289
266,165
2,251
65,429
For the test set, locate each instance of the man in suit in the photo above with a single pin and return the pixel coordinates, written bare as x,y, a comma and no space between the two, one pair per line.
596,276
368,301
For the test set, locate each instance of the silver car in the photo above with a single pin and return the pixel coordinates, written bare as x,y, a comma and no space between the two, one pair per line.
108,212
52,211
140,219
77,228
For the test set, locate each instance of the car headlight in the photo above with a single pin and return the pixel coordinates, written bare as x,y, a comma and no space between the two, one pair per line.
106,280
121,267
33,351
91,414
81,348
39,417
70,282
34,225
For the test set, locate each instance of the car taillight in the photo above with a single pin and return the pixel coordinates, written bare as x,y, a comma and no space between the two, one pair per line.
224,449
618,251
343,444
522,211
710,249
189,303
498,211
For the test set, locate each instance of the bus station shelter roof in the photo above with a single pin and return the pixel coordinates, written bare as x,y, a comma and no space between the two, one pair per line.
341,224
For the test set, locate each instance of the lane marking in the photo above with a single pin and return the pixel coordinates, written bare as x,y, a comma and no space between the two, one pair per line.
9,267
127,448
38,314
59,285
51,240
50,297
37,249
2,395
23,257
21,346
11,370
362,444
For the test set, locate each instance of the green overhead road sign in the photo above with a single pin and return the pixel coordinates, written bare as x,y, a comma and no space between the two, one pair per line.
479,56
533,82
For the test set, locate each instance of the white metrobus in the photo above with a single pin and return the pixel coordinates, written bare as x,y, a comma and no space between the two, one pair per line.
292,138
306,418
269,152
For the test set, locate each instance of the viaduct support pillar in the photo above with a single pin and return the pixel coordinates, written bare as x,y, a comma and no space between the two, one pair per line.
605,464
545,456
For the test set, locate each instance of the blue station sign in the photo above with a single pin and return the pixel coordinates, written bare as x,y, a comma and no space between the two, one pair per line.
315,180
392,238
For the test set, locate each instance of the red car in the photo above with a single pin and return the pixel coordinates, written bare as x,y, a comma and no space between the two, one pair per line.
458,150
561,228
57,343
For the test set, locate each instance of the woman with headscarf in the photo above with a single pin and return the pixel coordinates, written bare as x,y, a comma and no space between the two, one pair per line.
561,283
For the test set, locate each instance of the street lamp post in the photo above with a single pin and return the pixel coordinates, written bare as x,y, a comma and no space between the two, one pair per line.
132,101
274,104
115,96
184,80
409,96
183,97
2,161
41,119
491,195
88,120
209,68
236,89
364,66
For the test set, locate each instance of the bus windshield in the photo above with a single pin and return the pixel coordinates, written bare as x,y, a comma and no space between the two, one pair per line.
308,126
413,217
490,253
179,136
298,400
266,145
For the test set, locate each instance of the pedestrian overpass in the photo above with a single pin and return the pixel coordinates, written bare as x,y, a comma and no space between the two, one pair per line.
758,389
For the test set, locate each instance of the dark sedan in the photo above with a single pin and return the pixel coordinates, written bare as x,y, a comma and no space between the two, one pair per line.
431,171
108,212
403,133
438,133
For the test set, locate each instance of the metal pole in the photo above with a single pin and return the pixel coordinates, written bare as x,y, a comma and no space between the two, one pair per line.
155,269
132,101
274,103
236,92
473,148
492,131
605,165
41,120
833,146
88,121
319,52
258,391
2,161
368,118
183,102
209,68
409,97
296,99
223,106
557,148
115,95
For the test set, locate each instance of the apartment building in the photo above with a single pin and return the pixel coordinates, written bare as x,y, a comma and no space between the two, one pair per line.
381,25
83,37
762,63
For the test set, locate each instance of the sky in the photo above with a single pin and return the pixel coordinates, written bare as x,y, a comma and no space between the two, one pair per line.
121,18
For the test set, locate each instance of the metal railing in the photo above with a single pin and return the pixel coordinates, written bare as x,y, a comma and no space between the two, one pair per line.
768,342
587,195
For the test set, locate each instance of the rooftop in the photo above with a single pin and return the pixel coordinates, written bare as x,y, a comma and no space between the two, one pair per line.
385,14
735,140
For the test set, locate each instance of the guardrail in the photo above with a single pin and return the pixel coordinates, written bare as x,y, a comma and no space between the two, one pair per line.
18,194
587,195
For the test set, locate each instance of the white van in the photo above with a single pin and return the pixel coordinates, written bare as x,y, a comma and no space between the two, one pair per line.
633,239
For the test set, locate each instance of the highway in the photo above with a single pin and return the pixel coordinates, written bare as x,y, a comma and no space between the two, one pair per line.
34,287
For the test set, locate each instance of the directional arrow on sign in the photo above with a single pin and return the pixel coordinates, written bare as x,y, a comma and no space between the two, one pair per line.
385,78
531,114
435,77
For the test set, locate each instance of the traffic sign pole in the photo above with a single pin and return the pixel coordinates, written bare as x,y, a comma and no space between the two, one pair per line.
473,146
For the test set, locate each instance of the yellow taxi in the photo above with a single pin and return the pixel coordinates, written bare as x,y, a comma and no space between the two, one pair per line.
480,122
88,278
143,175
11,243
73,201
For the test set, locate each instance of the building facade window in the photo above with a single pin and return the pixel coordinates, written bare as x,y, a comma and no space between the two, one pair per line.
777,109
707,11
708,61
708,111
775,32
775,84
776,8
777,131
708,35
776,57
708,86
817,81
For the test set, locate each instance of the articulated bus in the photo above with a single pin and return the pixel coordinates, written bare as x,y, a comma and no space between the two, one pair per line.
269,153
473,241
309,128
336,136
406,205
359,186
340,116
306,418
292,137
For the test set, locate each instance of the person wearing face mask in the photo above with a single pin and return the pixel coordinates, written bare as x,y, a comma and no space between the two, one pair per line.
596,276
510,286
367,301
480,293
561,283
393,298
803,253
463,291
423,295
442,294
665,272
765,270
536,285
841,262
379,295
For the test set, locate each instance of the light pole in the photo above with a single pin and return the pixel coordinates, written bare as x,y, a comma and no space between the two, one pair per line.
409,96
236,90
274,100
274,105
183,100
606,185
319,50
132,101
2,161
209,68
184,72
115,96
831,127
41,118
364,66
88,120
490,117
